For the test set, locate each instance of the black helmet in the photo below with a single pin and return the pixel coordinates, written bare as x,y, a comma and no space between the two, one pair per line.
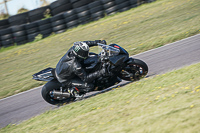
81,50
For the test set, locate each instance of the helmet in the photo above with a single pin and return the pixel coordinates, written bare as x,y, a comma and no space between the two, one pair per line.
81,49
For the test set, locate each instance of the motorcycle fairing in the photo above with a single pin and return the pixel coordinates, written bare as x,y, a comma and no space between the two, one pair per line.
119,59
122,57
122,50
91,62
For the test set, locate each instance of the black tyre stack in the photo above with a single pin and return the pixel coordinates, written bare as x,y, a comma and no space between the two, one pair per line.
24,27
122,5
149,1
60,6
140,2
83,14
38,13
96,10
110,7
133,3
71,19
19,34
6,37
19,19
45,27
4,24
32,30
82,10
58,23
80,3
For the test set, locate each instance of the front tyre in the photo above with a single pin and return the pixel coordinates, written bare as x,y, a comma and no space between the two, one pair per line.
134,70
47,93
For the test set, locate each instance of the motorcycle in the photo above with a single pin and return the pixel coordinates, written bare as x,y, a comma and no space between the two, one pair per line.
119,66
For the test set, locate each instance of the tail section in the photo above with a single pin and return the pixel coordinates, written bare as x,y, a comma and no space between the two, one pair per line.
44,75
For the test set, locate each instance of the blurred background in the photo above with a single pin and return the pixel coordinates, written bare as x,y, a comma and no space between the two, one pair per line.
13,7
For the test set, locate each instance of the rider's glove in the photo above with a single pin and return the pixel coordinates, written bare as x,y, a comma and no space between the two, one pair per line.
101,41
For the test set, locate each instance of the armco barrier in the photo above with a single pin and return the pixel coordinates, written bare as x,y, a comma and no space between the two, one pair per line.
66,14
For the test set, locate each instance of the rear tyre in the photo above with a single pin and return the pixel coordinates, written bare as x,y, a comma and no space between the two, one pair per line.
134,70
48,88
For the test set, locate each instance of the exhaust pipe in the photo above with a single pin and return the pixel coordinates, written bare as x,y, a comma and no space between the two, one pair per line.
60,95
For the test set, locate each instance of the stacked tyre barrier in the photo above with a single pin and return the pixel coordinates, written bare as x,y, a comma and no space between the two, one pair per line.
32,30
45,28
18,19
96,10
6,37
4,24
37,14
19,34
71,19
60,6
65,14
58,24
109,6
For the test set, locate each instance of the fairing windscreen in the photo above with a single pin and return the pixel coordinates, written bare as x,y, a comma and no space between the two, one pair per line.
111,51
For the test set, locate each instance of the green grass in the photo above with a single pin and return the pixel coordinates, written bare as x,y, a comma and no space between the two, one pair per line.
162,104
137,30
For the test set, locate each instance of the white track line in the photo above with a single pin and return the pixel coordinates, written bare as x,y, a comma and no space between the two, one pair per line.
20,93
167,45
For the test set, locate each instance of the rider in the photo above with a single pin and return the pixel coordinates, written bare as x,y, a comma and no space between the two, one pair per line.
70,72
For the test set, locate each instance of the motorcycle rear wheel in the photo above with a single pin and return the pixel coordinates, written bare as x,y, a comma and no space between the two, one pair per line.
47,90
134,70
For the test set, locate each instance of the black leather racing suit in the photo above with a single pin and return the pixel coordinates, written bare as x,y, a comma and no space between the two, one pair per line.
70,73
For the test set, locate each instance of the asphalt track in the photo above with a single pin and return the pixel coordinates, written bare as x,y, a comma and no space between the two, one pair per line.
23,106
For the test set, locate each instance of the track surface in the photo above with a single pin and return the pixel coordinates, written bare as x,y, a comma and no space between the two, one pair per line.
28,104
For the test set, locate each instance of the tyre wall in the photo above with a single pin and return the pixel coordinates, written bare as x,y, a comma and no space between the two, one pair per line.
65,14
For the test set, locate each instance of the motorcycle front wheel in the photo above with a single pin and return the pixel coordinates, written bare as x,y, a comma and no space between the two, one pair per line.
48,90
134,70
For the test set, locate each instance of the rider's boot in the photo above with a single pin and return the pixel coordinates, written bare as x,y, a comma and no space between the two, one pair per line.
75,92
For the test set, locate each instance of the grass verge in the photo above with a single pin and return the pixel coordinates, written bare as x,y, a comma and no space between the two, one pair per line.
164,103
137,30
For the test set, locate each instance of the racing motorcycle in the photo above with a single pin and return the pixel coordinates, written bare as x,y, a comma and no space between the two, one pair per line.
117,61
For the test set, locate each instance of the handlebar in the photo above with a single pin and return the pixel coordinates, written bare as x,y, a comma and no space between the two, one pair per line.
108,50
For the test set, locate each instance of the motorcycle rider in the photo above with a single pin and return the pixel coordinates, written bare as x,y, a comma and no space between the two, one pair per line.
70,72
